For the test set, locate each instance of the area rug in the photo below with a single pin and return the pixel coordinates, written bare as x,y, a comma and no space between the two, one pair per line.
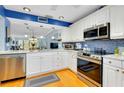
40,81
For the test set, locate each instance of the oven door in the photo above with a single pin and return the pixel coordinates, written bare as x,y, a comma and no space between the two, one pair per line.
91,34
104,31
90,70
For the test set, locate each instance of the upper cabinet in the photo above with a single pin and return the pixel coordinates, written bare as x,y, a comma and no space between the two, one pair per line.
66,35
117,22
76,31
102,16
99,17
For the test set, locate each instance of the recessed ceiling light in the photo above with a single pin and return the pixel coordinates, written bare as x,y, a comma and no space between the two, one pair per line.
61,17
26,35
41,37
52,37
26,9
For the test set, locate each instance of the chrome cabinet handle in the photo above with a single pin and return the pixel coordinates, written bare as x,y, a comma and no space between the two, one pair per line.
110,62
117,70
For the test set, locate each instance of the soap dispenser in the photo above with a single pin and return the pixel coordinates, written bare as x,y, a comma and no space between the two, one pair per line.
116,51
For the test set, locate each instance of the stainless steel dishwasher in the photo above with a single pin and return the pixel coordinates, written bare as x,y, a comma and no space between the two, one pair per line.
12,66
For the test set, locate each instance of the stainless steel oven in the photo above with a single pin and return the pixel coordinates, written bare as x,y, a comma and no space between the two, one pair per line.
90,71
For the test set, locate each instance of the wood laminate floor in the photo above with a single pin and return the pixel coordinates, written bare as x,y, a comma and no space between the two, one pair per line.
67,79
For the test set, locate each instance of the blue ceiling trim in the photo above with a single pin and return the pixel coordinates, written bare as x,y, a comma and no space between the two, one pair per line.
24,16
2,10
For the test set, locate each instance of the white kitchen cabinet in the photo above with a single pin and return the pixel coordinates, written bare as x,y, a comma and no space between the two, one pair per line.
65,59
87,23
76,30
39,63
99,17
60,60
46,62
122,79
111,76
113,72
33,64
73,62
102,16
117,22
66,35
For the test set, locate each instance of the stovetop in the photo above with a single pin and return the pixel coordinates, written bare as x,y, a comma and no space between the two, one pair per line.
93,54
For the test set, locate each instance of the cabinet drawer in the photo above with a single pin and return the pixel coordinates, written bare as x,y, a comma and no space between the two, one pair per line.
112,62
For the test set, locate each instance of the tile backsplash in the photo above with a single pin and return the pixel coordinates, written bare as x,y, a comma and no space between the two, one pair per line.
108,45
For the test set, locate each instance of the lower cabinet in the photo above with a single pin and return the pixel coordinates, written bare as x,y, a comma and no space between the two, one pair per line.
111,76
50,61
73,62
122,79
33,64
113,73
46,62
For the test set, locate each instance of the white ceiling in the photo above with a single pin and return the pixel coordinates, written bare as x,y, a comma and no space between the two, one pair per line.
19,29
71,13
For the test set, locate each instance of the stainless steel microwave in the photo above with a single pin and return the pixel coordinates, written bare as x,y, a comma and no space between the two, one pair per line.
98,32
68,46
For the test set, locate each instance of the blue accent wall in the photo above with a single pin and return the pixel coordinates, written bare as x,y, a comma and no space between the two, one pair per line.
24,16
2,10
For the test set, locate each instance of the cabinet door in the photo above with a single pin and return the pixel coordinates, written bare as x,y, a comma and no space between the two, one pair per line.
102,16
66,35
122,78
46,62
55,58
33,64
73,62
111,76
60,60
64,59
88,23
76,30
117,22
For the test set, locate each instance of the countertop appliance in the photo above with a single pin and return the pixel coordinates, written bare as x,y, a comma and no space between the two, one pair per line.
78,46
90,66
98,32
12,66
54,45
68,46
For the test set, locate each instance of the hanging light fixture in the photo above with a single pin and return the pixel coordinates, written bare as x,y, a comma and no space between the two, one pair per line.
33,39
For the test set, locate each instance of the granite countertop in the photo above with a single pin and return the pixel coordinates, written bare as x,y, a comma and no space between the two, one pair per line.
35,51
112,56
